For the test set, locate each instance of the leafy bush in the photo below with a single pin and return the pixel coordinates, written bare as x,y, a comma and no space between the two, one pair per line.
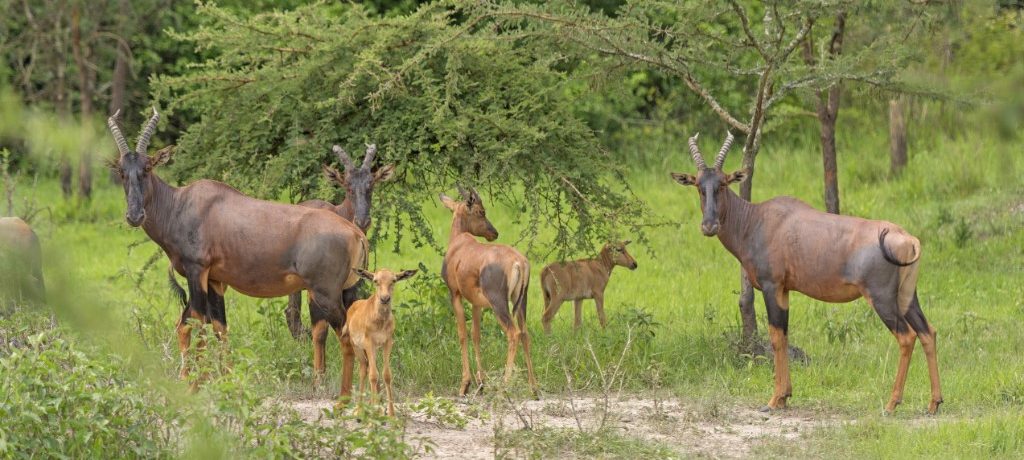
56,399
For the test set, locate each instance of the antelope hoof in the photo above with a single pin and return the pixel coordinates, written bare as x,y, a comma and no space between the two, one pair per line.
933,407
547,328
464,389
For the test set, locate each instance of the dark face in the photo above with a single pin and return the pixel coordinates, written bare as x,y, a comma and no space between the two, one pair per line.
359,183
620,256
711,185
134,170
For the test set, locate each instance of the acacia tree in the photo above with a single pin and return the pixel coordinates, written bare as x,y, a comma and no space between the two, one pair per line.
713,48
447,101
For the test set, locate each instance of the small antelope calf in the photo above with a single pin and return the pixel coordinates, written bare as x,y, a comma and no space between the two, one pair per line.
581,279
371,325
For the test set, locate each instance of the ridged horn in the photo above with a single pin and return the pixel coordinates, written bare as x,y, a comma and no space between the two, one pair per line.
122,145
371,152
343,156
695,153
147,133
720,159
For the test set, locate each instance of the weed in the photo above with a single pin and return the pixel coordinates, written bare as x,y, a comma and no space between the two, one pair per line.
441,410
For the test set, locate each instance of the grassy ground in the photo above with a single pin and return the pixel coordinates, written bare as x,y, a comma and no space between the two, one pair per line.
963,199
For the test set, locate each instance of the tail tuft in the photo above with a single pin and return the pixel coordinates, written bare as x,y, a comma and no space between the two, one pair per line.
176,288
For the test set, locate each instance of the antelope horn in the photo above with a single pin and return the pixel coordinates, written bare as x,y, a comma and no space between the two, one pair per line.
466,194
343,156
122,145
695,153
371,151
147,133
720,159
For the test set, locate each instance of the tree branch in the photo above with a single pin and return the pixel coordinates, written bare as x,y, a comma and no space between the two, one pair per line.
745,22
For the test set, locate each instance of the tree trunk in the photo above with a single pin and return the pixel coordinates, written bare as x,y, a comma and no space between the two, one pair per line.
897,136
65,176
827,107
827,112
119,79
85,91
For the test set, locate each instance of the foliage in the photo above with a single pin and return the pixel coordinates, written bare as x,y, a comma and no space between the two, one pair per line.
58,399
441,410
561,442
449,103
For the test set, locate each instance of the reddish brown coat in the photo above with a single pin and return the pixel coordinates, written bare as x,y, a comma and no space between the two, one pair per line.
582,279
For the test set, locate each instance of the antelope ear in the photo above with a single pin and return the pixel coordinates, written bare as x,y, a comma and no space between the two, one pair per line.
738,176
162,156
684,179
405,274
448,202
334,175
364,274
384,174
625,243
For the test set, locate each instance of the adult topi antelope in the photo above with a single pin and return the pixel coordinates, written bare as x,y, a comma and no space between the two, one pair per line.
371,325
487,275
582,279
21,263
216,238
785,245
358,182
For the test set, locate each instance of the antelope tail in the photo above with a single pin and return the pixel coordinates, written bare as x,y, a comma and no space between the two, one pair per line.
518,281
888,255
175,287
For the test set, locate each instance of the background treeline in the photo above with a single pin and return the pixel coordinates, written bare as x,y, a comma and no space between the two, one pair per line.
549,97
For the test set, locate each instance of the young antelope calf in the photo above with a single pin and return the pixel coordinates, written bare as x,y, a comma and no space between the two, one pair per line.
370,325
581,279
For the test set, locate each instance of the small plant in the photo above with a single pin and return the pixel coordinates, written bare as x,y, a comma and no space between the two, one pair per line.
843,329
441,410
962,233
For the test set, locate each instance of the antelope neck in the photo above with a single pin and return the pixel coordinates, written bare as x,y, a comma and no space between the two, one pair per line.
737,223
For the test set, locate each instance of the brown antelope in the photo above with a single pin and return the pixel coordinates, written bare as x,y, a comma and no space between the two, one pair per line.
21,262
785,245
487,275
371,325
582,279
358,182
216,238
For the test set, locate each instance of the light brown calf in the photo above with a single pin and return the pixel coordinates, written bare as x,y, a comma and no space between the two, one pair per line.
785,245
581,279
487,275
370,325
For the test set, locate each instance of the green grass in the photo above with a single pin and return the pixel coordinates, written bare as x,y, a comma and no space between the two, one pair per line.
964,199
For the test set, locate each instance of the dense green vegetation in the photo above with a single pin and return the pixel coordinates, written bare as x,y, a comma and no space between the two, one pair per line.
100,380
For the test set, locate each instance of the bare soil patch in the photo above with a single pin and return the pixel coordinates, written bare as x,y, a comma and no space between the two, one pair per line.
690,429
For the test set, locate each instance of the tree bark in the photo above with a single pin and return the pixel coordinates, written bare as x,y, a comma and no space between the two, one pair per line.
897,136
827,108
86,76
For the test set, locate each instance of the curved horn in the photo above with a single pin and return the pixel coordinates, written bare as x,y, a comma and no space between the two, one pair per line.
122,145
720,159
695,153
371,151
465,194
147,133
343,156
